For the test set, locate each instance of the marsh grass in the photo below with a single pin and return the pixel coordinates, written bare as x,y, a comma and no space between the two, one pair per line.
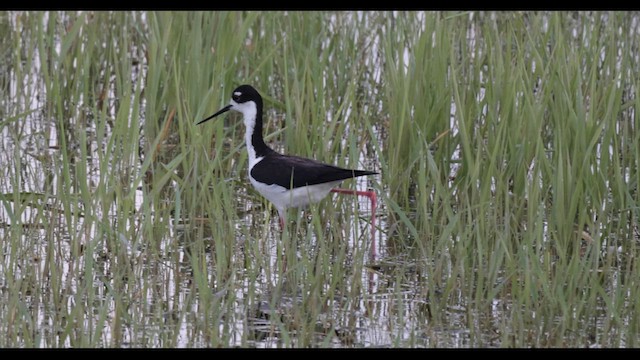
507,146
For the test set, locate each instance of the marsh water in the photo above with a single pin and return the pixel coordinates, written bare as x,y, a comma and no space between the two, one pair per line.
102,249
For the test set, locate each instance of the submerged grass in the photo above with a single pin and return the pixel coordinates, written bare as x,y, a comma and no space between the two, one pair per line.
507,146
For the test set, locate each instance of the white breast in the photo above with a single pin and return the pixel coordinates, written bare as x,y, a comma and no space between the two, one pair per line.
283,198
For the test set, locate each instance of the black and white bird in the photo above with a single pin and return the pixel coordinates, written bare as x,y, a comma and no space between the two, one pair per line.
286,181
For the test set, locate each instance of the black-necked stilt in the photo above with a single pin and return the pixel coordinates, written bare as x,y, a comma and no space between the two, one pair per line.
287,181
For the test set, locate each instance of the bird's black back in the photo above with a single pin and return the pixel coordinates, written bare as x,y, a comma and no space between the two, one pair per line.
293,172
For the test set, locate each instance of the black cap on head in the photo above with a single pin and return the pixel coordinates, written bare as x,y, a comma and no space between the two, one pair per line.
244,93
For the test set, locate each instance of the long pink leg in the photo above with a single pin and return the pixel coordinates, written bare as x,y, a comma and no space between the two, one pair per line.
374,199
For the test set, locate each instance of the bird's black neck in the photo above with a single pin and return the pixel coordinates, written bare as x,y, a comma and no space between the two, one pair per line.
256,138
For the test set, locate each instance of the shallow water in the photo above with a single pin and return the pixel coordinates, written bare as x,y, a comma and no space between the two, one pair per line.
73,282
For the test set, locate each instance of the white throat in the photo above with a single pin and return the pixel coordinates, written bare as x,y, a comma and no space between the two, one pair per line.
249,112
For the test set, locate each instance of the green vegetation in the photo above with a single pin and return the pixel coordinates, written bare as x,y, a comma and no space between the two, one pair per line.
507,145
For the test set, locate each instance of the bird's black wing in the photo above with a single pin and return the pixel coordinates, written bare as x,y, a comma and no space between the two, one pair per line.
294,171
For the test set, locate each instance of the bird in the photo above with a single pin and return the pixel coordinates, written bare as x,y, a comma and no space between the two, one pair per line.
287,181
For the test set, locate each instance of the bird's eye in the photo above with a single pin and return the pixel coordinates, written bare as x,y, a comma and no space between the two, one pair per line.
236,96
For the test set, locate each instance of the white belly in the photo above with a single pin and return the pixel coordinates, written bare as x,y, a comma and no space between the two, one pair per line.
283,198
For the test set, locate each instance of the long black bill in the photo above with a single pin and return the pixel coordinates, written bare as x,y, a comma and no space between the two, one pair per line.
221,111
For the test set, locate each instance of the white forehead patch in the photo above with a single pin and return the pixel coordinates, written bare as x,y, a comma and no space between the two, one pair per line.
237,93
